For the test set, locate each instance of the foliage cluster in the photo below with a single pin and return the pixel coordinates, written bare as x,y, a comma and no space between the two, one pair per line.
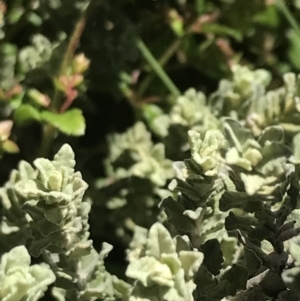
184,116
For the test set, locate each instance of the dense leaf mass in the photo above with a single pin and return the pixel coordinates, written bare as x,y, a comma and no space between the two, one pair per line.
149,150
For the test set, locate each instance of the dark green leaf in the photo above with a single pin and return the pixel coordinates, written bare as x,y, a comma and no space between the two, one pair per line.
213,257
272,133
269,17
175,215
236,277
207,280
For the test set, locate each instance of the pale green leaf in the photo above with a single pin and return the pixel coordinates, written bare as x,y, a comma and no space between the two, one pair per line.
159,242
148,270
191,261
70,123
26,113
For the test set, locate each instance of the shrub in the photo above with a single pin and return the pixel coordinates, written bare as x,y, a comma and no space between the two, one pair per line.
149,150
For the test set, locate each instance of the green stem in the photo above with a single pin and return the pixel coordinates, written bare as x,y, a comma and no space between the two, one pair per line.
165,58
50,131
48,136
162,61
289,16
69,54
154,64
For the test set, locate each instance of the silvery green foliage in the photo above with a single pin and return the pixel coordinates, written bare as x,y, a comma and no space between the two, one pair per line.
20,281
14,227
33,56
189,111
39,58
163,268
147,160
246,98
291,276
50,197
237,193
53,200
137,175
238,186
8,61
279,107
16,64
199,180
234,97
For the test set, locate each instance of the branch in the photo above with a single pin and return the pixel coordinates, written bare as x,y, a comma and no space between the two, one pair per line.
194,26
289,16
49,130
157,68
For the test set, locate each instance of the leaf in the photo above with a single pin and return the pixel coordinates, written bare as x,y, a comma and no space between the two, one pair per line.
207,280
175,215
158,122
200,6
213,257
65,157
185,188
229,248
288,295
296,147
253,262
236,199
291,278
172,261
252,183
293,51
149,270
15,14
294,216
294,250
5,129
34,19
205,152
272,133
236,134
26,113
255,229
236,277
220,29
218,292
19,280
39,98
70,123
191,261
159,242
268,17
10,146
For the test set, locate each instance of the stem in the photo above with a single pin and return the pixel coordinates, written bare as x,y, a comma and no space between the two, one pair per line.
69,54
162,61
157,68
49,130
48,135
174,47
289,16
